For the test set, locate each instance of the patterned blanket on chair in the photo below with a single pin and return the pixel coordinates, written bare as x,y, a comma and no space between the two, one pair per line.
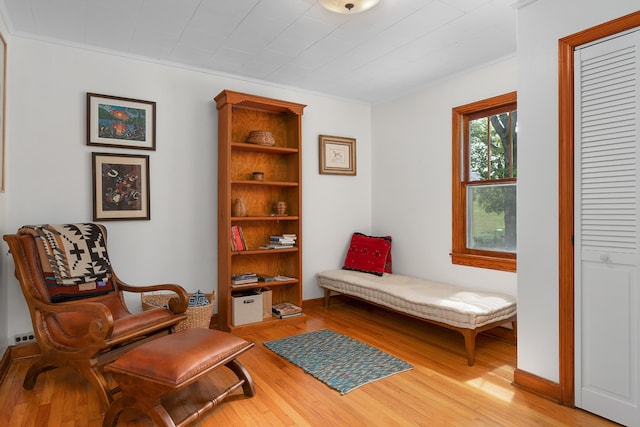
77,253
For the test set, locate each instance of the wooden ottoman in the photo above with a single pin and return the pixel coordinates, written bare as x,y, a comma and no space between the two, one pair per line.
171,363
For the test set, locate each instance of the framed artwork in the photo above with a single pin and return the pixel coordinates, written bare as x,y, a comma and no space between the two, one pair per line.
3,104
121,122
337,155
120,187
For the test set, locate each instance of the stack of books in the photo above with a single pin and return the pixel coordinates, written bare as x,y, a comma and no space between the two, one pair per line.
285,310
266,278
243,279
281,241
237,239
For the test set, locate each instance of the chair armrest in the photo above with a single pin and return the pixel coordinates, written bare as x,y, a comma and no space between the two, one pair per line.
176,305
100,329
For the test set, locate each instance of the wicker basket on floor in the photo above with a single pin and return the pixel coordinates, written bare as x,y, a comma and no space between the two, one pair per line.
197,317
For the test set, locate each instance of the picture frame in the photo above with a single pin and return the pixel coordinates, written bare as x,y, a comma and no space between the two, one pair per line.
113,121
337,155
120,187
3,105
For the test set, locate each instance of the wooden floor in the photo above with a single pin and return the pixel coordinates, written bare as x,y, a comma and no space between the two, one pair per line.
441,390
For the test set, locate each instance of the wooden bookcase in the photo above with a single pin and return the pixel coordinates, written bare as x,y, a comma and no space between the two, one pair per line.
238,115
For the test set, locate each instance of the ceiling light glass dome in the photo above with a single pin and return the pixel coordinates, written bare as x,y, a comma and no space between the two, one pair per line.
346,6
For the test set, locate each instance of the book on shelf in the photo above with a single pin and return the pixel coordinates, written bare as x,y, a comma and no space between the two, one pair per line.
237,239
244,242
244,278
285,309
286,316
277,246
248,275
281,278
265,278
242,285
289,239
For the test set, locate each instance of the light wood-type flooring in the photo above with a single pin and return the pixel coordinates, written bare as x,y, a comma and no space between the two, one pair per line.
441,390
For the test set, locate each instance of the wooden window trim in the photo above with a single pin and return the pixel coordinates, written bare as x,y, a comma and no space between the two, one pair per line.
460,254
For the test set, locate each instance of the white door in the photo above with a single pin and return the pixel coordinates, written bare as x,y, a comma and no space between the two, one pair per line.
607,217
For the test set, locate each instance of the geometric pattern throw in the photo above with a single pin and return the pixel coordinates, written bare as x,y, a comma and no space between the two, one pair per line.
77,253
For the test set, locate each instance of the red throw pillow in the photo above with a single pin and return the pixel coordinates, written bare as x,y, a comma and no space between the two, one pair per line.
368,254
388,268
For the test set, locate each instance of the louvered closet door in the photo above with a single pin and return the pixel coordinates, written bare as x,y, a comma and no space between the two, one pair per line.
606,228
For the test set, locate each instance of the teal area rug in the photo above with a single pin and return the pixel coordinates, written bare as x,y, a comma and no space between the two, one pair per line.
342,363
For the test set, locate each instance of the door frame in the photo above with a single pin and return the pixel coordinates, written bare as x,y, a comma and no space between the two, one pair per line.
566,47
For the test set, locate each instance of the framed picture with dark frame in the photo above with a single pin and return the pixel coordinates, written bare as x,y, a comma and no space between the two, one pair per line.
120,187
113,121
337,155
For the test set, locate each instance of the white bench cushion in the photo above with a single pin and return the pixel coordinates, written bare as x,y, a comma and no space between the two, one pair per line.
448,304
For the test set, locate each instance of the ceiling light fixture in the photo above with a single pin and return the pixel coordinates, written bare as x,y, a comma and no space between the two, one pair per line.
346,6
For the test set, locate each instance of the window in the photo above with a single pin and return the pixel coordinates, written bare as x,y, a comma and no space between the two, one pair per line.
484,183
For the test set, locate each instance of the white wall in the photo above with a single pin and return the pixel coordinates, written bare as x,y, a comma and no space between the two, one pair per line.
540,25
49,166
412,175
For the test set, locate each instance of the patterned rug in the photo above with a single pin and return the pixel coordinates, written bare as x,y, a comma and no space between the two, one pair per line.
342,363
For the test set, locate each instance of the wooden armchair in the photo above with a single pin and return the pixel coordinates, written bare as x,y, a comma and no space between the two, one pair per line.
77,305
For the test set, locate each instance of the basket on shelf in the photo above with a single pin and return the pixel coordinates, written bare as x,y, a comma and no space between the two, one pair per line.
198,316
261,137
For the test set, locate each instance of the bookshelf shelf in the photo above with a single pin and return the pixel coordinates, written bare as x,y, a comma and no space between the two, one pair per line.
258,285
266,183
280,164
243,146
265,218
263,251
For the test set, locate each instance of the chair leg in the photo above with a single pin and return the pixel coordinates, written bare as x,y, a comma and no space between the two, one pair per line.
98,382
36,369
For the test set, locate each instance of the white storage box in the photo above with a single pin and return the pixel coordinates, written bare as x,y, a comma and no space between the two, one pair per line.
246,308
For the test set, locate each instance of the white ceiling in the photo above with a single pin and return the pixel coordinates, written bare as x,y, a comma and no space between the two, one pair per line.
376,55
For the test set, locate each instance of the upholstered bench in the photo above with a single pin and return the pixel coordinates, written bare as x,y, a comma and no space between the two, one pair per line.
171,363
467,311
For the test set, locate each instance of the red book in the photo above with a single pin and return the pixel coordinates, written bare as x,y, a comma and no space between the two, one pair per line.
236,239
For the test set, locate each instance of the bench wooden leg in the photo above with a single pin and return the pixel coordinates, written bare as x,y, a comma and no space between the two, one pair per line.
327,298
470,344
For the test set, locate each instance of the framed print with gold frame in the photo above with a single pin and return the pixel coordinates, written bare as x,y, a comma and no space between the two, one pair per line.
337,155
